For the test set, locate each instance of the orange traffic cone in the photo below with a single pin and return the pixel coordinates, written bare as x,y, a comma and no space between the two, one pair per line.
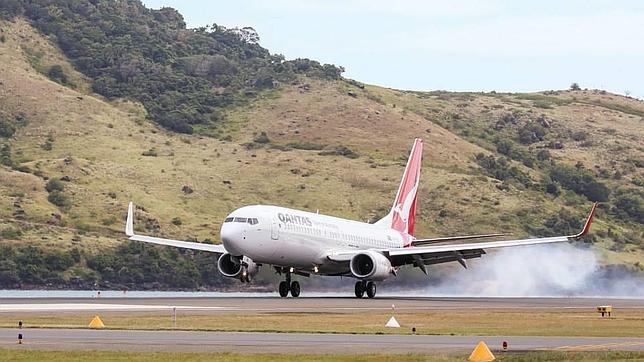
96,323
481,353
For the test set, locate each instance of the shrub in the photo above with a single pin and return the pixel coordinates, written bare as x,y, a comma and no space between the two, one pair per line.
579,136
575,87
150,153
176,221
553,189
531,133
75,255
54,185
581,181
7,128
5,155
57,74
501,169
109,221
10,233
262,138
340,151
507,148
58,198
629,204
543,155
47,146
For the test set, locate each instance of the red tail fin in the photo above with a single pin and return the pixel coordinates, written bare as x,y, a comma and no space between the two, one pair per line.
403,211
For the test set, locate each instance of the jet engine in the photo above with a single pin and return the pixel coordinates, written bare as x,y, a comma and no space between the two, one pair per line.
370,265
242,268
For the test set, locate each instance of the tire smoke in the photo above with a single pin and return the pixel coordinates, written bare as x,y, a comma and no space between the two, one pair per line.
555,270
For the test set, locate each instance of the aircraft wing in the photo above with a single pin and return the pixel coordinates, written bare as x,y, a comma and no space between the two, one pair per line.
435,254
129,231
416,242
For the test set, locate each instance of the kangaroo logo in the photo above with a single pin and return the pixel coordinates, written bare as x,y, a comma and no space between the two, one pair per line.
403,208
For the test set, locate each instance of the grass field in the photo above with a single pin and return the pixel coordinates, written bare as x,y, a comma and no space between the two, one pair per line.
569,322
52,356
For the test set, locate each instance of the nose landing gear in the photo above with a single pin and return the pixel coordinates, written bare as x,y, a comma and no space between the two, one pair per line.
289,286
363,287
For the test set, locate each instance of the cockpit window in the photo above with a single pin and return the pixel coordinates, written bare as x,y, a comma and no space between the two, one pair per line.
252,221
240,219
229,219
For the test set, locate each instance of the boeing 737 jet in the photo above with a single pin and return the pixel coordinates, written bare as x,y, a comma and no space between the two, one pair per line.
296,242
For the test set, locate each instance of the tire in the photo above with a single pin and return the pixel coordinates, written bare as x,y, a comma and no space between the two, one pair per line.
295,289
359,289
371,289
283,289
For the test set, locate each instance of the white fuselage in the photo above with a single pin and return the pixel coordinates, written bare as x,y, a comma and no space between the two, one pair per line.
292,238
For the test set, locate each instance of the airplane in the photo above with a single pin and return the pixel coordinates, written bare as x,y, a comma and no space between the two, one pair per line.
303,243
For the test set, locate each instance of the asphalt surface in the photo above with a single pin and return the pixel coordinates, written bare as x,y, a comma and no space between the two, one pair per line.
198,341
67,339
290,305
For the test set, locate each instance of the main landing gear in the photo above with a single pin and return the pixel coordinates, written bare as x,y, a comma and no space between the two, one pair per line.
289,286
363,287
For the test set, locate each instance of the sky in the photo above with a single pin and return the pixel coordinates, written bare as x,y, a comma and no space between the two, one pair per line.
465,45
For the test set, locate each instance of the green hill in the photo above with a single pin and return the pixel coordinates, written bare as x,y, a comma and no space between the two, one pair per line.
107,102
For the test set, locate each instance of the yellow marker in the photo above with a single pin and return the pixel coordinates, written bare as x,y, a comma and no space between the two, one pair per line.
605,309
481,353
96,323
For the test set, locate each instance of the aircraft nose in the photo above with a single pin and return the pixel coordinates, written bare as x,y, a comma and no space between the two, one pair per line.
231,237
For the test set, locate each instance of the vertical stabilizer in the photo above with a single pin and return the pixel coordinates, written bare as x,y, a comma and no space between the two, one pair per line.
402,214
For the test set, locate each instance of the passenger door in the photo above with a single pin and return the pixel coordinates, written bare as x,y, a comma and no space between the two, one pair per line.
275,230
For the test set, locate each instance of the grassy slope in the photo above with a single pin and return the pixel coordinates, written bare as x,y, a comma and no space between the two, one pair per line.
105,142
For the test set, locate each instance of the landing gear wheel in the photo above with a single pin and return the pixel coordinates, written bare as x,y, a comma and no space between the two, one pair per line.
371,289
295,289
360,287
283,289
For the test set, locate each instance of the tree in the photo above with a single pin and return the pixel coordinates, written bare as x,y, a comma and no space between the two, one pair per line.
247,34
575,87
10,8
183,77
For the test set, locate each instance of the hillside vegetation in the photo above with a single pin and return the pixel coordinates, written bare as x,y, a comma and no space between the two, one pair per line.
189,142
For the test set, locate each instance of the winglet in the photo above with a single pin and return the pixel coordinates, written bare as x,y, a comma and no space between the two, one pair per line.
589,221
129,223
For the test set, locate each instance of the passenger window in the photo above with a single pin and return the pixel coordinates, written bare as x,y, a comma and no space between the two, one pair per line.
228,219
240,219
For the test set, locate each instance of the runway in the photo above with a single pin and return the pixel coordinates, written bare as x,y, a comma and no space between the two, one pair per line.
295,341
312,304
75,339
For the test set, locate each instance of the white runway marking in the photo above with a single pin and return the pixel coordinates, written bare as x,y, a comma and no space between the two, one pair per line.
62,307
71,307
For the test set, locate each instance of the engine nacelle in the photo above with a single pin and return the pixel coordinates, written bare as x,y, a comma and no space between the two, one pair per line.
242,268
371,265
